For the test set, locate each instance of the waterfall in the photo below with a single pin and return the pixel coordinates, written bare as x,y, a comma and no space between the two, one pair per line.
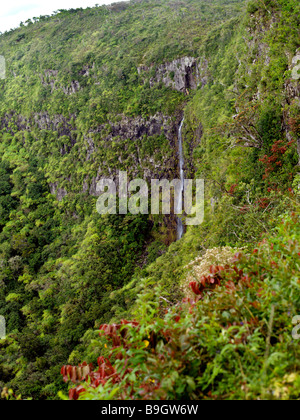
180,229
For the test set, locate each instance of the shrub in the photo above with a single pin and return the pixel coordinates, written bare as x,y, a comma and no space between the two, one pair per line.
233,341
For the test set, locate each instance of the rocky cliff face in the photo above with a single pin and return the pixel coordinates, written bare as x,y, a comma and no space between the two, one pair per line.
50,78
14,123
135,131
183,74
146,148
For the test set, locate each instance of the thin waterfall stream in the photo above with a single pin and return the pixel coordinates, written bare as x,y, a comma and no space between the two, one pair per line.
180,229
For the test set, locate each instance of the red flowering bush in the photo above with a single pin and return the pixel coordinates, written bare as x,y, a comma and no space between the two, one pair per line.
274,161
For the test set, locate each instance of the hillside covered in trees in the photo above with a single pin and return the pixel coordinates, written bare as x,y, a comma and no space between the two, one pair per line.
113,306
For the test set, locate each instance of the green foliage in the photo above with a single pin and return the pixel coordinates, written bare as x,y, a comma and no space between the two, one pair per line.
72,78
234,343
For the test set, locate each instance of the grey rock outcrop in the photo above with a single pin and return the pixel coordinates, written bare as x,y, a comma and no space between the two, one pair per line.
42,120
181,74
49,78
73,88
134,129
59,192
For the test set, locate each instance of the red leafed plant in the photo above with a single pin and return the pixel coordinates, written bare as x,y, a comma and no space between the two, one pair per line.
85,372
217,274
116,333
274,161
232,189
208,282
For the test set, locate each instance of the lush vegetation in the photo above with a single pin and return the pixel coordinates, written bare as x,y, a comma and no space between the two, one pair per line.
231,342
208,317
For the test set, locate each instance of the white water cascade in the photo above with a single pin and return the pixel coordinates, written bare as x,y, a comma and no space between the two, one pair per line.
180,229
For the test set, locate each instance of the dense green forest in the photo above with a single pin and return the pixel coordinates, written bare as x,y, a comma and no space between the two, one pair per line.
112,306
